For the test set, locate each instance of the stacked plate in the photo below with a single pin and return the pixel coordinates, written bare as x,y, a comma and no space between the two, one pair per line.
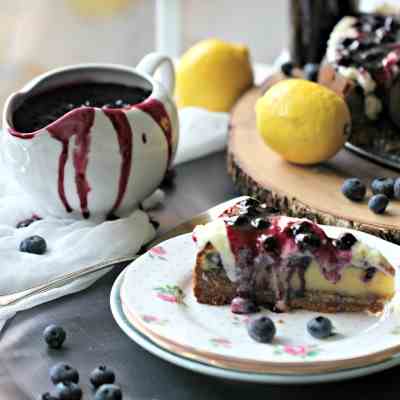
152,302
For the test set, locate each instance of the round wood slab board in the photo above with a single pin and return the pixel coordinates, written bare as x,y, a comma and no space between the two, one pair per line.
304,191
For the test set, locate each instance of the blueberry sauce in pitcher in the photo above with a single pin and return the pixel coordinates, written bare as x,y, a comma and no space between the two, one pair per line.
49,110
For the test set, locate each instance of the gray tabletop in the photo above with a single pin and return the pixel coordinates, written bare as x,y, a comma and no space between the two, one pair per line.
94,338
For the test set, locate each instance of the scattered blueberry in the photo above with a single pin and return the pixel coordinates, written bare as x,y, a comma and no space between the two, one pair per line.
261,329
320,327
54,336
354,189
240,305
33,244
311,71
378,203
26,222
47,396
287,68
308,241
108,392
345,241
102,375
396,189
63,372
68,391
383,186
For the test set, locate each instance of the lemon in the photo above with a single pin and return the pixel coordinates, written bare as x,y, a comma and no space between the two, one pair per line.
212,75
304,122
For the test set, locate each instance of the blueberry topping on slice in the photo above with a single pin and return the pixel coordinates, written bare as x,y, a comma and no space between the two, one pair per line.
287,68
346,42
301,227
239,221
250,202
269,242
308,241
33,244
63,372
260,223
378,203
68,391
354,189
369,274
261,329
102,375
396,189
26,222
383,186
345,241
108,392
311,72
320,327
241,305
54,336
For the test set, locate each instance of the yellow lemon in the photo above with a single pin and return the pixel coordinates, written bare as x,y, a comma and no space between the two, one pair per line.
213,74
302,121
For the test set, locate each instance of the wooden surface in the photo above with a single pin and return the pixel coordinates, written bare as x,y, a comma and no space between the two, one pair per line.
312,192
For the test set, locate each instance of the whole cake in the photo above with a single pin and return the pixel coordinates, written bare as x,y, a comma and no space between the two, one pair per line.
362,64
250,256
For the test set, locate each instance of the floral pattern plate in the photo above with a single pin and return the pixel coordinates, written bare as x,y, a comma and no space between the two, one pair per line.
157,299
208,369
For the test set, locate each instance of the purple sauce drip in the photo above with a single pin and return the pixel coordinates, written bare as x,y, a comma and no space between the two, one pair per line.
63,130
125,140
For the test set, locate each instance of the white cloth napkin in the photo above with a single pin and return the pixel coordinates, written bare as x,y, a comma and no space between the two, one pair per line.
76,244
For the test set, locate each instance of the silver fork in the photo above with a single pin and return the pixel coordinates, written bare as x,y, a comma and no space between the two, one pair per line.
64,279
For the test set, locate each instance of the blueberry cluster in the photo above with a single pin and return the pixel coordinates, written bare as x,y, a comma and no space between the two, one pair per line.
262,329
66,378
383,189
304,236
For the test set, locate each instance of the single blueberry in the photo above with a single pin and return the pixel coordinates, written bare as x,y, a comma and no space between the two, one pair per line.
308,241
261,329
54,336
383,186
33,244
378,203
108,392
102,375
354,189
301,227
68,391
239,221
287,68
311,71
240,305
320,327
345,241
269,242
260,223
396,189
63,372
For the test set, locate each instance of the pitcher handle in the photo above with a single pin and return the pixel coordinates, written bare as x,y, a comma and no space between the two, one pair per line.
152,62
